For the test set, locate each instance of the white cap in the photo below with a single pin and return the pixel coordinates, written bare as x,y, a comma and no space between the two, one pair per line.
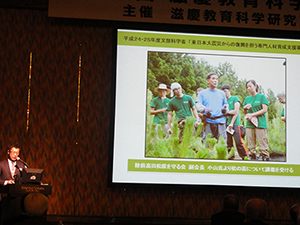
175,85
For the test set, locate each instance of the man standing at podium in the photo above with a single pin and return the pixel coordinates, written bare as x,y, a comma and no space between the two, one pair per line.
11,167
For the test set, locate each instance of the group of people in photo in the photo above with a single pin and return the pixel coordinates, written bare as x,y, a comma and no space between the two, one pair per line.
218,110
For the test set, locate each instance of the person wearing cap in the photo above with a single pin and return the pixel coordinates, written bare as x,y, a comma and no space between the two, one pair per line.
184,106
214,106
234,123
158,106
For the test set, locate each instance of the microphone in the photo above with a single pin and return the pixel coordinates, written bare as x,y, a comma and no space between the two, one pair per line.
25,163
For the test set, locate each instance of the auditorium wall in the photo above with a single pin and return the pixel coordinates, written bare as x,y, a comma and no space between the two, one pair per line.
75,153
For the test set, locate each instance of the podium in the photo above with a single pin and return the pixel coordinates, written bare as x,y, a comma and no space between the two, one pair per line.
13,196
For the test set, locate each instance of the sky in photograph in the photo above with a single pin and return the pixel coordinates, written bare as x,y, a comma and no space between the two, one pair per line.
267,72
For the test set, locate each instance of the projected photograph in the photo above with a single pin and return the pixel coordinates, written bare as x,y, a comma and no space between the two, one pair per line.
237,113
205,109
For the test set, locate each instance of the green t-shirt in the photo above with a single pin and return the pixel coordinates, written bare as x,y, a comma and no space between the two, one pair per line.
231,101
182,106
158,103
282,112
257,101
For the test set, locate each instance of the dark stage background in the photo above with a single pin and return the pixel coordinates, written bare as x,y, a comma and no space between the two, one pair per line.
75,155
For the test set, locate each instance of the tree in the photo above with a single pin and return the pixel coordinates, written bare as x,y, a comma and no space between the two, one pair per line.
201,69
166,67
272,111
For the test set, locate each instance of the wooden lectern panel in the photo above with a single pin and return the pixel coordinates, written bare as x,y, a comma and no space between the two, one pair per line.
24,189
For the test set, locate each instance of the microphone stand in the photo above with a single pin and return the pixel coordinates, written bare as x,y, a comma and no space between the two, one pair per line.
25,163
17,177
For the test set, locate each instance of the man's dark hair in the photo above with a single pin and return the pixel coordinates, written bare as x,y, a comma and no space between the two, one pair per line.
255,209
230,202
254,83
294,213
13,145
210,74
225,86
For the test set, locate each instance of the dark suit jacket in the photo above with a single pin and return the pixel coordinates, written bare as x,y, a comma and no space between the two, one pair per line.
227,217
5,173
